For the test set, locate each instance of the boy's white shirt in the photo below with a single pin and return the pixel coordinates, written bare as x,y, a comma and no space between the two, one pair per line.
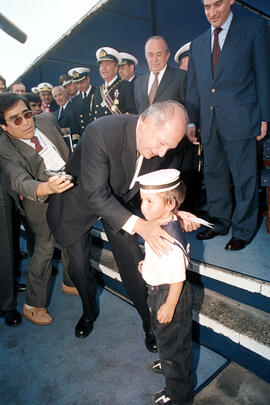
167,269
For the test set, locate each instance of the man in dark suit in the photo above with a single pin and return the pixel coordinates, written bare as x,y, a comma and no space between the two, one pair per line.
27,147
115,96
162,82
83,101
66,116
228,96
106,165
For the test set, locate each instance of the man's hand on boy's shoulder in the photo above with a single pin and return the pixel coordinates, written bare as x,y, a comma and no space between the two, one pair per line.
186,222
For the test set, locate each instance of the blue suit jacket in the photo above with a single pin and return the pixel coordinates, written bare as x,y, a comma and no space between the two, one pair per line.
239,93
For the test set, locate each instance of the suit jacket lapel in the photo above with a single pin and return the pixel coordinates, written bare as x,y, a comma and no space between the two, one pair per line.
231,41
206,50
144,88
164,82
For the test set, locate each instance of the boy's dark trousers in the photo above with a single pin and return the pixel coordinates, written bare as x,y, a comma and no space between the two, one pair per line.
174,342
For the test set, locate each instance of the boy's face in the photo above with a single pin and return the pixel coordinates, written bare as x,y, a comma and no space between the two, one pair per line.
154,207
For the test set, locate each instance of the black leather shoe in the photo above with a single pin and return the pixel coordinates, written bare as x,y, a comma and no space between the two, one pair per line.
23,255
13,318
236,244
208,234
150,339
84,327
20,287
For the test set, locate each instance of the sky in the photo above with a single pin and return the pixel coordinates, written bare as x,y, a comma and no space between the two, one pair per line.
44,22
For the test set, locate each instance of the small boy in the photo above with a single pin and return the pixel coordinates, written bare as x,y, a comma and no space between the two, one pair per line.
169,294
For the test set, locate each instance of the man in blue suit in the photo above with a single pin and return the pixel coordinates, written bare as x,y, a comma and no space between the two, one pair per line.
228,94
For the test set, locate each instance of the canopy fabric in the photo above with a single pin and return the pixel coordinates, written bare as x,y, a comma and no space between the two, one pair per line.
125,26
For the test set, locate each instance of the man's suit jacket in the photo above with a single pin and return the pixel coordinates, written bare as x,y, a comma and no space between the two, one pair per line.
82,108
104,164
239,93
23,167
171,87
68,119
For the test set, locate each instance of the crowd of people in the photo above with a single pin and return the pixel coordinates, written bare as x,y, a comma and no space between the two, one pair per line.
76,152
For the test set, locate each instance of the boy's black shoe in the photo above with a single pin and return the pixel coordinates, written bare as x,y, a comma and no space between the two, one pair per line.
156,367
161,398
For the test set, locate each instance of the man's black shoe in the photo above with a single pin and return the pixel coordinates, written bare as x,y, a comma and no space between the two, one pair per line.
236,244
19,287
150,339
23,255
84,327
208,234
13,318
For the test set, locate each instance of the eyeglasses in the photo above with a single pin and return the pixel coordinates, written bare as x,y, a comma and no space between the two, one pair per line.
17,120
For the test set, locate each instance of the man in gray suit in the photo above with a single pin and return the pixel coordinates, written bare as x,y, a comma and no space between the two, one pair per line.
27,147
162,82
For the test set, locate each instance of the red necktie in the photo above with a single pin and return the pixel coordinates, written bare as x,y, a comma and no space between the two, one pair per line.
216,50
35,140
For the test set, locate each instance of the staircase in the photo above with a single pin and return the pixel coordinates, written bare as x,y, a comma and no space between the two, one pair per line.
230,311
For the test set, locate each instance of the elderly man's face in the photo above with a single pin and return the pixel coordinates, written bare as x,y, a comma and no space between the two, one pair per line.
84,84
154,140
126,71
23,131
60,96
156,55
217,11
46,97
108,70
18,88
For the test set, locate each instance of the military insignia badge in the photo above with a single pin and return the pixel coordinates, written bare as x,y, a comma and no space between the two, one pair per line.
102,53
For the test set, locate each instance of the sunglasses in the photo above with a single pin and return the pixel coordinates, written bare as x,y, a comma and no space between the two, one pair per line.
17,120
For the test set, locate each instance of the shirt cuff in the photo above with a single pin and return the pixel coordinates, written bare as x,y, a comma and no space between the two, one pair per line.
191,125
129,225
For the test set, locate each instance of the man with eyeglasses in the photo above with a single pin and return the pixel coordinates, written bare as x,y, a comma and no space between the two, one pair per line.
27,147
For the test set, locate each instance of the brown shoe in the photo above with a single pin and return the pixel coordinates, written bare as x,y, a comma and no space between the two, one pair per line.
39,316
69,290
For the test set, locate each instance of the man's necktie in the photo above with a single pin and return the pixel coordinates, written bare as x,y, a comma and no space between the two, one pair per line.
35,141
153,89
216,50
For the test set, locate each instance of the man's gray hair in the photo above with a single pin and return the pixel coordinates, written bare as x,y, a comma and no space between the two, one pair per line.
158,37
164,111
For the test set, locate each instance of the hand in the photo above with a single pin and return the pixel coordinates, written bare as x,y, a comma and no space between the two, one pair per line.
263,131
140,266
165,313
59,184
186,224
191,134
154,235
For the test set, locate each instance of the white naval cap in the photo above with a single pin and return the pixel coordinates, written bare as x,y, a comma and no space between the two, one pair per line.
182,52
128,58
107,53
35,90
78,74
65,79
45,87
159,181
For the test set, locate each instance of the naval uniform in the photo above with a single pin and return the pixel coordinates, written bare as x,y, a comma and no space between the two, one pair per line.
83,108
121,99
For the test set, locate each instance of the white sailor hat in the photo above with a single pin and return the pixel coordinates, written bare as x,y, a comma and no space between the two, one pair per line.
182,52
159,181
45,87
35,90
65,79
107,53
128,58
78,74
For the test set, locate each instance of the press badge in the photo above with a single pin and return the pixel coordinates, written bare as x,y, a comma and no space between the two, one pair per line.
51,158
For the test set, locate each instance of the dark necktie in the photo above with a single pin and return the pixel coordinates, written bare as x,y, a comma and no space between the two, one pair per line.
35,141
153,89
216,50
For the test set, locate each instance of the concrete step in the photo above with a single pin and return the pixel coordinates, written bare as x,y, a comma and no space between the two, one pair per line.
244,326
245,289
